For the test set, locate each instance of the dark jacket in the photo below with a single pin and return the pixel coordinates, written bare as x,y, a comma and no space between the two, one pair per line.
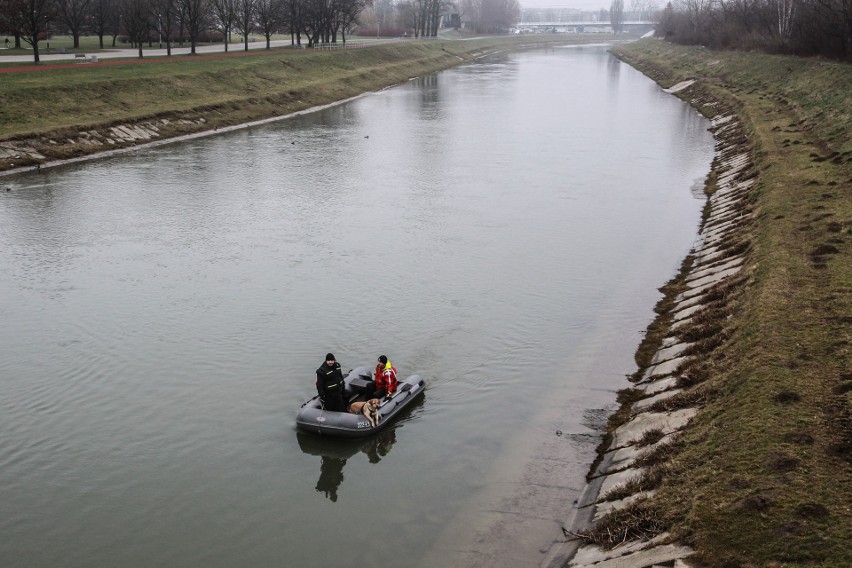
330,383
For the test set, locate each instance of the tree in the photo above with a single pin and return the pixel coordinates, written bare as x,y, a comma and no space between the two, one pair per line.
136,20
193,16
224,16
348,12
75,16
269,16
244,22
616,16
32,19
103,18
786,12
164,16
293,12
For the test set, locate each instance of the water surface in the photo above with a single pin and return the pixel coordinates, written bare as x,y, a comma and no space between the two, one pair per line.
499,228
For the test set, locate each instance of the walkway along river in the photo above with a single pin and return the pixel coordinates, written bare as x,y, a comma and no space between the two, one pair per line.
499,228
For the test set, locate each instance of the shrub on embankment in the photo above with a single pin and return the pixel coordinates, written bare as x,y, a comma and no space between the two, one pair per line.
763,475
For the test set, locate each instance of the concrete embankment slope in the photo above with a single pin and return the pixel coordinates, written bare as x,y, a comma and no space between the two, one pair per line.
733,446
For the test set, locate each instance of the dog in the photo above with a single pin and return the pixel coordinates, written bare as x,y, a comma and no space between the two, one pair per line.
370,409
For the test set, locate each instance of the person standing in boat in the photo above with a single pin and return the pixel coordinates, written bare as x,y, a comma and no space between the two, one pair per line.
330,385
385,378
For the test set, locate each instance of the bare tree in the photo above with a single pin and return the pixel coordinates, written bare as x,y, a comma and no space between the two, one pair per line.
244,21
786,11
136,20
409,13
348,12
164,16
193,18
269,15
103,16
75,16
293,12
32,19
224,16
616,15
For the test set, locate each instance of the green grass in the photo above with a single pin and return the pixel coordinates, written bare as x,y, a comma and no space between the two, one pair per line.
763,476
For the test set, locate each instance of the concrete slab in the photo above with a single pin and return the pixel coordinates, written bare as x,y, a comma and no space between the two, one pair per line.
667,422
686,312
681,323
720,119
670,352
722,209
735,216
714,278
619,479
688,302
624,458
692,292
717,240
733,262
680,86
602,509
645,403
732,193
644,558
659,386
705,251
669,341
590,554
664,368
721,228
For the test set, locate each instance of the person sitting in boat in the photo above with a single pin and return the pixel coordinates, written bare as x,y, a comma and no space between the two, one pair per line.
385,378
330,385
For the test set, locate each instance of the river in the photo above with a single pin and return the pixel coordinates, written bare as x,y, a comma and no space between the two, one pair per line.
500,229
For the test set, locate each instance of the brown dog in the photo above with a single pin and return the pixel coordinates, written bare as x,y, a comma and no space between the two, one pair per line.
370,409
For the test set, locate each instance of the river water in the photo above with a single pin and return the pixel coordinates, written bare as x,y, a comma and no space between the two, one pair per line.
499,228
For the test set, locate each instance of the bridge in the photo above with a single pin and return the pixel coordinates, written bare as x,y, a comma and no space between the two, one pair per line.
579,26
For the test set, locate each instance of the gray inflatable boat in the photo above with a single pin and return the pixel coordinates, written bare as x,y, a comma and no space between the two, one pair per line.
313,417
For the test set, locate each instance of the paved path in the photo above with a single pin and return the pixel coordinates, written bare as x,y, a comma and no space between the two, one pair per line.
146,52
218,49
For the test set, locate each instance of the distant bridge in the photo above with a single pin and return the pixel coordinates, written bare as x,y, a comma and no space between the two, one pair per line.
563,26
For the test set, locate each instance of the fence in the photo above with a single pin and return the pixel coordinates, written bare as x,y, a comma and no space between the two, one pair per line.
360,44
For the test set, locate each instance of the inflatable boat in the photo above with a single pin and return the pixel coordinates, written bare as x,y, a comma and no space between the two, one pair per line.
313,417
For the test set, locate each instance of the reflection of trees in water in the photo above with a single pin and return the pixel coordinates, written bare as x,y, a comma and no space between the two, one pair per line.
331,467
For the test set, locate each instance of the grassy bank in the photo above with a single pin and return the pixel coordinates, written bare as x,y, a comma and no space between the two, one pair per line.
48,109
763,475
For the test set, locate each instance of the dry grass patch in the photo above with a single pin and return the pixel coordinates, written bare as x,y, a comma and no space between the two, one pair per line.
638,521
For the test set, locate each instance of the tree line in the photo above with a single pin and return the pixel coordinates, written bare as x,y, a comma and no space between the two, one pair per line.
178,21
799,27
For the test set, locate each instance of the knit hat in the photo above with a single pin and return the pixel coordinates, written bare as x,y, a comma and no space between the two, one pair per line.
330,357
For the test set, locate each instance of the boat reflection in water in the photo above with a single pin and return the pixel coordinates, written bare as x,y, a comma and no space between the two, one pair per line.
336,451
